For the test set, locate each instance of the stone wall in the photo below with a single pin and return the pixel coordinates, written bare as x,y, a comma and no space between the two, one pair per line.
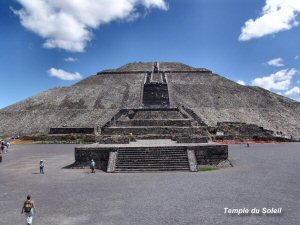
83,157
210,154
113,139
154,130
168,113
205,154
61,138
154,122
72,130
191,139
242,129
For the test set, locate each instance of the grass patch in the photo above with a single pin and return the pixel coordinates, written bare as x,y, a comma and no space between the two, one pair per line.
204,168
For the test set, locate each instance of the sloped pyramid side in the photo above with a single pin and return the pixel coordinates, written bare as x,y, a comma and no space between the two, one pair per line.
94,100
217,99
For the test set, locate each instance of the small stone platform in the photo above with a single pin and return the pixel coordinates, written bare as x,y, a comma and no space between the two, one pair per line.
150,155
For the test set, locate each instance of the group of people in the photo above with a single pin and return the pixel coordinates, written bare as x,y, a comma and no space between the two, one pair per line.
4,145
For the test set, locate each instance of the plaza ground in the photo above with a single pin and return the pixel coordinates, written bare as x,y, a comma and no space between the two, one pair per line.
263,176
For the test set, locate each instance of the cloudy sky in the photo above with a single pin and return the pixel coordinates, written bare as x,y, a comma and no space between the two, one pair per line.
51,43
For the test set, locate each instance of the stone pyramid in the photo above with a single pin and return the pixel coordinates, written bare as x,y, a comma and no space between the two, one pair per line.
95,100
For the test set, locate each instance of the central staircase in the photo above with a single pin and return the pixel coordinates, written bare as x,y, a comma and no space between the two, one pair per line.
152,159
155,120
155,91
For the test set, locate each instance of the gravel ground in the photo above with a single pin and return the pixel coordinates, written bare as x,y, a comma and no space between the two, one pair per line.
262,176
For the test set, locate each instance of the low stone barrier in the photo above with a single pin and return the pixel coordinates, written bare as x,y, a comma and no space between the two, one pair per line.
190,139
72,130
61,138
205,154
251,138
210,154
152,122
153,130
83,157
114,139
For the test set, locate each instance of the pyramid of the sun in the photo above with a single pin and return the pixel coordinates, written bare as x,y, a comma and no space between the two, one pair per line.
93,101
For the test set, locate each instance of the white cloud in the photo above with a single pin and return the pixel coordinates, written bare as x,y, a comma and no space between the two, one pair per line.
241,82
276,62
69,24
293,91
280,80
296,99
64,75
71,59
276,16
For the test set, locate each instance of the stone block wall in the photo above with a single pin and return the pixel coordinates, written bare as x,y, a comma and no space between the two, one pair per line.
83,157
210,154
72,130
153,130
154,122
191,139
205,154
242,129
113,139
61,138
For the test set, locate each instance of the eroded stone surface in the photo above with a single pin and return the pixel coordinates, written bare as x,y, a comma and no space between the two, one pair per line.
96,99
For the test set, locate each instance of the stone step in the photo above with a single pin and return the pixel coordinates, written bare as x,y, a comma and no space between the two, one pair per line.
152,158
158,114
153,155
142,130
153,169
155,152
152,166
152,150
155,94
174,147
153,136
150,170
148,122
191,139
164,153
156,77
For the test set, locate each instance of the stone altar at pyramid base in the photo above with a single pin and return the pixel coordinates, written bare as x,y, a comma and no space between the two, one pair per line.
151,156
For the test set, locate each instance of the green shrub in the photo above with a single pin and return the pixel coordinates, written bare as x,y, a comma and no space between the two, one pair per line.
203,168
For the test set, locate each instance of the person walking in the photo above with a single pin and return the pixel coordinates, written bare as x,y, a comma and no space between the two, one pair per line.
7,144
42,165
93,166
29,209
2,146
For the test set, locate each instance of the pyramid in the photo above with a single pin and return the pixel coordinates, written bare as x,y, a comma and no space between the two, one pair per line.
93,101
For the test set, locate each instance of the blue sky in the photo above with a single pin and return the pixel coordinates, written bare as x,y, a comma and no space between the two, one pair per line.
51,43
